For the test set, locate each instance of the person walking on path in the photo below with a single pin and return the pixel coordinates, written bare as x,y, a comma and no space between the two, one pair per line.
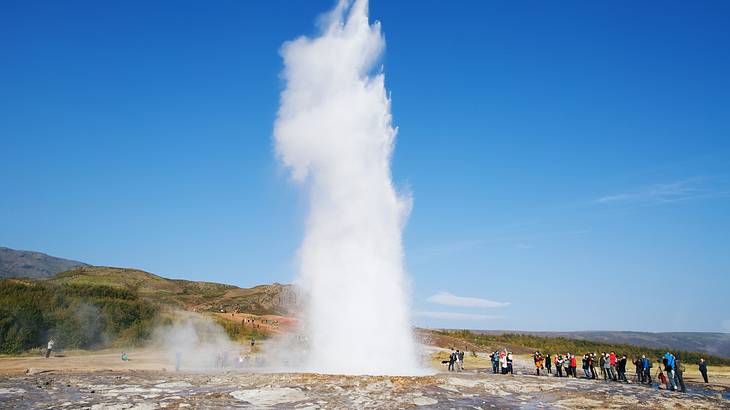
49,348
592,365
452,359
703,369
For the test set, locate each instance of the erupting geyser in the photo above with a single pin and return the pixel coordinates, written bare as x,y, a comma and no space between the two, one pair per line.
334,132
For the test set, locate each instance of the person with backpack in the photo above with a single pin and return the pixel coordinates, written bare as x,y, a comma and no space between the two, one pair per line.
460,360
495,361
703,369
668,362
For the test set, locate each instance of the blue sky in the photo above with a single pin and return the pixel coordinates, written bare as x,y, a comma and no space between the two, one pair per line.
568,160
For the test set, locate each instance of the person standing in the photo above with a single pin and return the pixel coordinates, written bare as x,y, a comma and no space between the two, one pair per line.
510,370
573,365
592,365
548,363
495,361
452,359
668,362
559,365
607,367
49,348
460,360
647,369
621,367
612,360
679,373
639,368
538,361
703,369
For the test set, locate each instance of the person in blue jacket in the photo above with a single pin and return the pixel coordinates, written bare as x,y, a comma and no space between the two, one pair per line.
668,362
647,369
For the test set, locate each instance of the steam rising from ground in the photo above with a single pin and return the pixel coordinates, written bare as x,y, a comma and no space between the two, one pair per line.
334,132
196,343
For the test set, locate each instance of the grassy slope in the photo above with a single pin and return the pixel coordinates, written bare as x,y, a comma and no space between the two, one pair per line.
184,294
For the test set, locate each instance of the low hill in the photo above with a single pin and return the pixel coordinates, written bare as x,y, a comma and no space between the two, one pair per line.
717,344
33,265
275,299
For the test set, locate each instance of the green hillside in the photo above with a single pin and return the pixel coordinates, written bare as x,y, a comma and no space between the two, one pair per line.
273,299
74,315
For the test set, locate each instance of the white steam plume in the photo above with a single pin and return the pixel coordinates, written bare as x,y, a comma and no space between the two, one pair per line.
334,132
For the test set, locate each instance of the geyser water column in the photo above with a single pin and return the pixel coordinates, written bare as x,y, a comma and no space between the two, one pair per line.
334,132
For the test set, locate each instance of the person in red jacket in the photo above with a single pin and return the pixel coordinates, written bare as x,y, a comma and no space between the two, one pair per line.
573,365
612,360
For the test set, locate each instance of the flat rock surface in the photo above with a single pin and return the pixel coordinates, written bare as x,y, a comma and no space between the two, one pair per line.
158,389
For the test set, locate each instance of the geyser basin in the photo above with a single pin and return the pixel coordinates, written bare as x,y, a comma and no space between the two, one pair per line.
334,133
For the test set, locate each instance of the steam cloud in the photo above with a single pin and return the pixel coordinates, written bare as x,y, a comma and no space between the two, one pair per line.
334,132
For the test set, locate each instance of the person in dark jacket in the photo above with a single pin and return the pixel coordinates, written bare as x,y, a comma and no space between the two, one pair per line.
452,359
621,369
639,368
548,363
586,369
592,365
703,369
679,373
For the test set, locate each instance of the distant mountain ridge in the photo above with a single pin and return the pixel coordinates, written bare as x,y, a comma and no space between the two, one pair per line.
714,343
34,265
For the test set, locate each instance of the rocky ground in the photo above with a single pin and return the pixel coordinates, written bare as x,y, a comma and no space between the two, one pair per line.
100,380
133,389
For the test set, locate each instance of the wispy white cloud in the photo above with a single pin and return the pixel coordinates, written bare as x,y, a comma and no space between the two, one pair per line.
448,299
455,315
660,194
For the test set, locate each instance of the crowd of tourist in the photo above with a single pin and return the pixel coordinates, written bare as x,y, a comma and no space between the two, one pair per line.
607,366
